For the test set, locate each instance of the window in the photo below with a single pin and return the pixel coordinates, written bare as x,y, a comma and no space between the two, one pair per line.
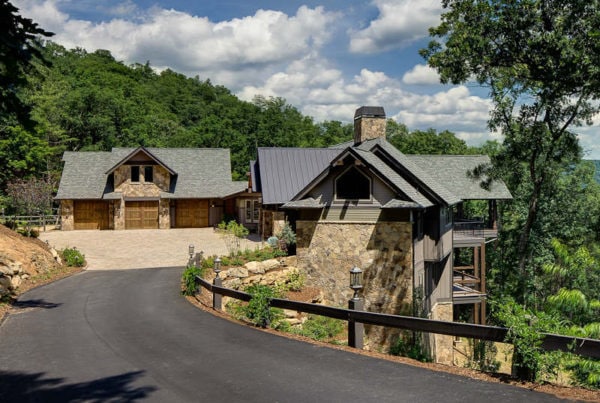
252,211
135,174
353,185
148,174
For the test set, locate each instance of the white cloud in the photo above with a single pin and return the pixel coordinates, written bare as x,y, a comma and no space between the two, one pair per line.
400,23
190,44
421,75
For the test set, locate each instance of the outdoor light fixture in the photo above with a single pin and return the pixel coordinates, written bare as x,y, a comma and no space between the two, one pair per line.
191,251
356,280
217,267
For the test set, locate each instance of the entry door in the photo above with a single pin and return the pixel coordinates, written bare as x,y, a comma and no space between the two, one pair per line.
141,215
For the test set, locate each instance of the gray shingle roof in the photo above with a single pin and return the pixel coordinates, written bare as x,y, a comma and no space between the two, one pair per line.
452,171
286,171
201,173
432,182
395,179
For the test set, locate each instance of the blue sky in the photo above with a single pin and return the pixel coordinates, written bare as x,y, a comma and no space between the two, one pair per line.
324,57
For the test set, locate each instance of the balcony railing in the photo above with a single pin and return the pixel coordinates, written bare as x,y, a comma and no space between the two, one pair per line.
470,232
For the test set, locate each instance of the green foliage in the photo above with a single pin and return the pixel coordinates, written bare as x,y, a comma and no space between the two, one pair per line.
483,356
516,49
525,329
295,280
320,327
73,258
585,371
258,310
188,279
287,235
409,345
425,142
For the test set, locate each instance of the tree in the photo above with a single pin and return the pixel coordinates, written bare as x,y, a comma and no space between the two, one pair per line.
540,60
19,44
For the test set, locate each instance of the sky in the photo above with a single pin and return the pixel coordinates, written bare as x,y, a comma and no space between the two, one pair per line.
325,57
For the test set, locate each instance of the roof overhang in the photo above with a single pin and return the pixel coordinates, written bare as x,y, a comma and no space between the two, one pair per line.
137,151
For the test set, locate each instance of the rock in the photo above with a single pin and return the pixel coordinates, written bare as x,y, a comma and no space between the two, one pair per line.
294,321
15,282
4,291
289,313
270,264
5,270
254,268
16,268
239,272
5,282
234,283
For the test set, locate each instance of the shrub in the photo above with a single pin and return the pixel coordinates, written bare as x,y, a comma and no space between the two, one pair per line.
321,327
287,235
189,279
295,280
409,345
73,258
258,309
232,233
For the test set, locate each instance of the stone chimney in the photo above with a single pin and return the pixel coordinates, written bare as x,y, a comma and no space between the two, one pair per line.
369,123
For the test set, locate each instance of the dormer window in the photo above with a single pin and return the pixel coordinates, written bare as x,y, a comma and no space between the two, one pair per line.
135,174
353,185
148,174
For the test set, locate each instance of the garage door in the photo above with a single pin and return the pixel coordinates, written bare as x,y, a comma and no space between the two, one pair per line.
141,215
190,213
90,214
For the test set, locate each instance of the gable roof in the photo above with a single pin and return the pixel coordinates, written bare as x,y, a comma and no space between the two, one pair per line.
286,175
197,172
141,150
453,169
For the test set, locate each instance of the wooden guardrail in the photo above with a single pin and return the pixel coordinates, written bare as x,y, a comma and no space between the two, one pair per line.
39,221
551,342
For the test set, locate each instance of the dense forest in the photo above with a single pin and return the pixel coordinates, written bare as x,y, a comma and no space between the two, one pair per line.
545,267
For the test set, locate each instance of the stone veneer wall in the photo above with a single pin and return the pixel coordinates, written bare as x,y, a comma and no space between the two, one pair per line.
119,214
164,214
141,189
442,346
67,221
273,222
383,250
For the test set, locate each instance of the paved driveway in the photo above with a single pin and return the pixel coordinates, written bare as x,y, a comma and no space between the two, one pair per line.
134,249
128,335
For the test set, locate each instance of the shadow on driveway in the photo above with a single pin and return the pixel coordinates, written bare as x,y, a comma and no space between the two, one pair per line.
32,387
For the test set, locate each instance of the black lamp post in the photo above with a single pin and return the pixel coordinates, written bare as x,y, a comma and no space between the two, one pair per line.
217,282
191,253
355,329
217,266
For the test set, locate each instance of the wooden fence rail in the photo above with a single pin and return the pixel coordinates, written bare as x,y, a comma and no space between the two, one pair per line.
32,220
550,342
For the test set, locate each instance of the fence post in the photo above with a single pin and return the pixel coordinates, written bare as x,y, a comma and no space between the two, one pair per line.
218,282
356,330
216,296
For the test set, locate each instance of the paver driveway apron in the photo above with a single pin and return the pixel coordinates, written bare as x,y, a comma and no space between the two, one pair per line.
106,250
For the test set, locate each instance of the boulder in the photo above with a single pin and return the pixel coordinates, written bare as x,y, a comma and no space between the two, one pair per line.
254,268
239,272
270,264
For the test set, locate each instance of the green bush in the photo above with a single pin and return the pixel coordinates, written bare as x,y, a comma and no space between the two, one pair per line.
295,280
258,309
409,345
73,258
189,279
321,327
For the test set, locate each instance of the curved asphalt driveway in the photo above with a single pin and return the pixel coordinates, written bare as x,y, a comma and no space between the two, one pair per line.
128,335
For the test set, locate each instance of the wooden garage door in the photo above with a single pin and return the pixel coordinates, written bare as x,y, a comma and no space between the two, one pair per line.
90,214
191,213
141,215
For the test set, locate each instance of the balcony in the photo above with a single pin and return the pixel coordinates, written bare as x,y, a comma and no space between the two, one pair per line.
470,233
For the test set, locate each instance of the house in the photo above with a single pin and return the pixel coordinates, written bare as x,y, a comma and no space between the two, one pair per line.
143,188
366,204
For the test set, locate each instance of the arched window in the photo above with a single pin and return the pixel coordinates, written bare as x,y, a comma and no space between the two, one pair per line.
353,185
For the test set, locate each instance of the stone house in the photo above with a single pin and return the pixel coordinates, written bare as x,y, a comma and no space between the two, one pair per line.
365,204
150,188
